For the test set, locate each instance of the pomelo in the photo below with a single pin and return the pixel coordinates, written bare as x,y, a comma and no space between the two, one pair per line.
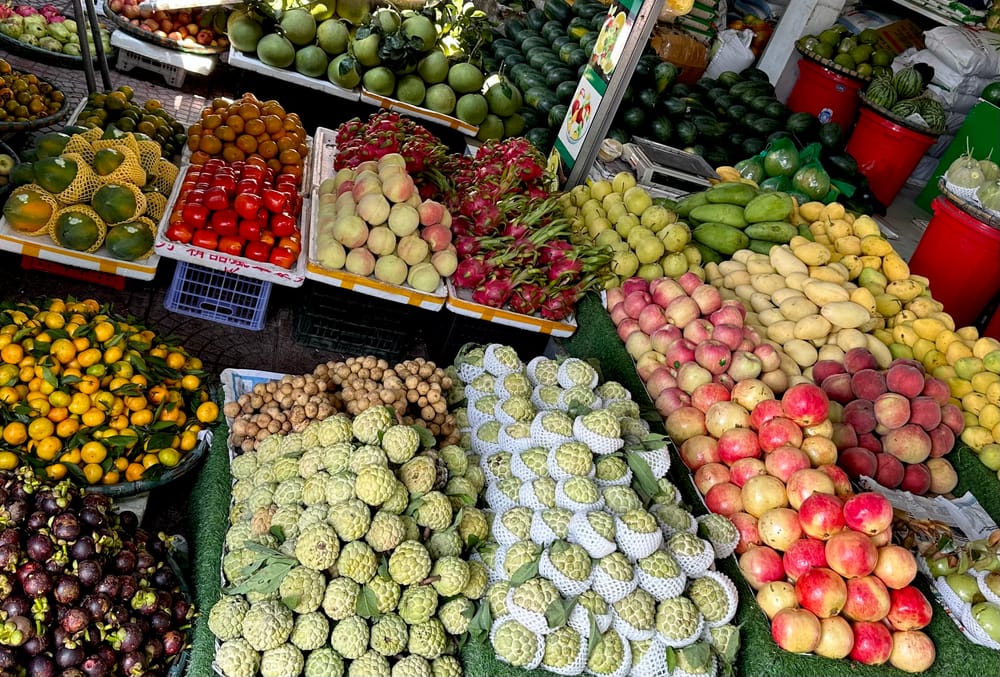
440,98
244,33
465,78
472,108
503,98
276,50
299,26
411,90
311,61
379,80
343,71
420,26
333,37
490,128
433,68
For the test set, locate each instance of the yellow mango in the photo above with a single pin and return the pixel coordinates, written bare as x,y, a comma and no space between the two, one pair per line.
887,305
903,333
968,333
875,245
985,345
873,262
993,393
944,372
928,328
922,279
955,351
810,253
996,434
900,351
982,381
977,436
839,228
921,306
934,359
865,225
848,244
817,228
974,402
970,418
883,335
905,316
853,265
864,298
959,387
895,267
904,290
989,416
834,211
811,211
947,320
921,347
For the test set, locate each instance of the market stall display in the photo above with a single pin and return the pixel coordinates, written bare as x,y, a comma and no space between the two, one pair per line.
119,110
47,35
28,101
198,30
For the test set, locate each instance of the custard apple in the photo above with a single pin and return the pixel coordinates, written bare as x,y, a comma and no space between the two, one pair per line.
456,615
712,598
334,430
314,489
350,637
366,456
236,658
357,561
571,560
515,644
310,463
434,511
310,631
572,458
496,597
499,465
417,604
267,625
389,635
282,661
677,619
317,547
450,576
324,662
340,598
419,474
660,564
337,457
620,500
289,492
412,666
638,609
386,532
473,527
581,490
400,443
369,425
340,487
725,639
225,620
351,519
234,564
518,522
371,664
478,579
427,639
518,555
375,484
609,654
562,647
455,459
617,567
302,589
386,592
409,563
444,544
535,595
612,390
243,466
557,520
611,469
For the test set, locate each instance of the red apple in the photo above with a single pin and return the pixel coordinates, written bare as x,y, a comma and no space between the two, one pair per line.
761,565
912,651
836,638
868,513
822,591
872,643
821,516
670,400
661,379
851,554
796,630
908,609
803,555
661,339
707,394
867,599
896,566
776,596
777,432
858,461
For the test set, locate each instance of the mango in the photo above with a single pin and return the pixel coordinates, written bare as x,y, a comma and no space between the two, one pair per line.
730,215
894,267
768,207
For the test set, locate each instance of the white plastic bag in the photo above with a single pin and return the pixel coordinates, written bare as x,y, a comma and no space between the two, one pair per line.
966,51
733,53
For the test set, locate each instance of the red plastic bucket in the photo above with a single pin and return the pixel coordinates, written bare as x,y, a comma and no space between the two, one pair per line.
886,153
959,255
828,95
993,328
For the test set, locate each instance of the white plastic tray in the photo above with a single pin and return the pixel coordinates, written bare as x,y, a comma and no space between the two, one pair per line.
324,150
236,382
461,303
240,60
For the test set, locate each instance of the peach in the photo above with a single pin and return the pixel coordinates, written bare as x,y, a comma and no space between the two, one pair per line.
868,384
636,343
943,476
916,479
825,368
843,436
905,379
838,387
942,441
432,213
890,470
908,443
892,410
857,359
661,379
936,389
925,412
952,417
860,415
858,461
870,441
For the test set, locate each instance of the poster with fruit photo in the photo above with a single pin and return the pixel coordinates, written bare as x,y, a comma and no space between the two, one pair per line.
589,94
614,36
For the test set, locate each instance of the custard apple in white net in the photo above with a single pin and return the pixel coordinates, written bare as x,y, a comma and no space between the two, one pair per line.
535,595
518,555
621,499
678,621
609,655
715,596
571,458
617,567
575,372
496,597
571,560
638,609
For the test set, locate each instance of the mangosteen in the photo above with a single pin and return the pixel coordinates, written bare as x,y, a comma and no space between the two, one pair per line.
66,527
67,589
125,562
153,649
132,637
24,626
173,642
132,662
158,546
17,511
145,563
75,620
41,666
68,656
10,553
117,615
93,636
183,611
144,601
160,621
83,549
39,547
92,517
94,666
72,672
37,644
6,586
48,503
164,600
107,655
56,564
164,578
8,658
109,585
89,573
60,636
97,605
128,521
37,520
127,587
10,536
37,585
16,605
28,568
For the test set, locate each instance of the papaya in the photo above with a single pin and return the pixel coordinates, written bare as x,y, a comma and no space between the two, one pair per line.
28,209
721,237
107,160
773,206
51,144
54,174
731,215
129,241
114,203
77,231
731,194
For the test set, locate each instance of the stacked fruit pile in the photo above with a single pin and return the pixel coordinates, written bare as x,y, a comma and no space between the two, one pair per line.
859,53
249,129
89,394
904,94
24,97
975,180
589,577
47,28
371,220
90,191
92,593
349,545
240,209
118,110
190,28
647,239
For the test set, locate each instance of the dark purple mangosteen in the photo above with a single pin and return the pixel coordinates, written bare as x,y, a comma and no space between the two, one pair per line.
56,564
66,527
10,553
28,568
72,672
164,578
75,620
164,600
41,666
38,520
89,573
128,586
183,611
37,585
117,615
144,602
67,589
10,536
39,547
18,511
128,521
109,585
8,658
132,662
108,655
48,503
16,605
92,517
24,626
125,562
132,637
97,605
69,656
173,642
145,563
37,644
83,549
153,649
160,621
94,666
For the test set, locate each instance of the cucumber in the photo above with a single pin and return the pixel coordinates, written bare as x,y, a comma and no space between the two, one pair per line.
772,231
730,215
720,237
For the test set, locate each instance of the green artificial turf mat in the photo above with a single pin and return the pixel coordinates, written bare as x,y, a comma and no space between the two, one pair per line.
479,660
975,477
208,512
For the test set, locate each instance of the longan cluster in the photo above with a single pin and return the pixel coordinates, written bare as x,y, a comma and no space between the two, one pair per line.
286,405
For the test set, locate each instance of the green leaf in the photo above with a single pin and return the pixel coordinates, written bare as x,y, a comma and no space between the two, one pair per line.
642,473
291,601
49,377
278,532
367,603
671,659
482,622
594,638
525,572
427,439
558,612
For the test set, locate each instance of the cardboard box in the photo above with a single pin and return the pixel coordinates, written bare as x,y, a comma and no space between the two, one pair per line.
899,36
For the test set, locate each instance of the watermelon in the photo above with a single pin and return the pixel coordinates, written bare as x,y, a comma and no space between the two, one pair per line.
881,92
932,112
904,108
907,83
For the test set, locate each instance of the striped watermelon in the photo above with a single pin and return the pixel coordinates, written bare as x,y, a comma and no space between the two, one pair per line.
881,92
907,83
904,108
932,112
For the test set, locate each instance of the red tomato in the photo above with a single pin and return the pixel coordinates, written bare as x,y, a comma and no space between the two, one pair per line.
213,165
237,166
205,238
225,181
195,215
247,205
274,200
249,229
196,196
283,257
257,251
216,198
180,232
248,186
283,225
231,244
253,172
225,222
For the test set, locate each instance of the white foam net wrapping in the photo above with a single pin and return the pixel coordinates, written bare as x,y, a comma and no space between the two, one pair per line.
575,666
541,532
502,534
511,443
503,417
629,631
494,365
634,544
680,642
723,549
529,498
626,664
540,371
520,470
669,529
534,621
540,403
711,672
623,481
661,588
564,501
582,532
530,665
696,565
566,586
732,598
477,417
579,620
546,438
498,500
985,589
556,471
564,404
468,372
564,374
599,444
611,589
658,460
653,662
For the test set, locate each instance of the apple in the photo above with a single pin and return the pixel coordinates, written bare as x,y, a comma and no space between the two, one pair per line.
822,591
851,554
868,513
908,609
797,630
821,516
872,643
776,596
761,565
836,638
648,363
867,599
896,566
912,651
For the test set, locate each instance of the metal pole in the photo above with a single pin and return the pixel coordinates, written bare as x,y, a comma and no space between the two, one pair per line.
102,57
81,31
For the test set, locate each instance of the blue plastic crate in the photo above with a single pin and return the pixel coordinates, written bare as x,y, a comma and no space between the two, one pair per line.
213,295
